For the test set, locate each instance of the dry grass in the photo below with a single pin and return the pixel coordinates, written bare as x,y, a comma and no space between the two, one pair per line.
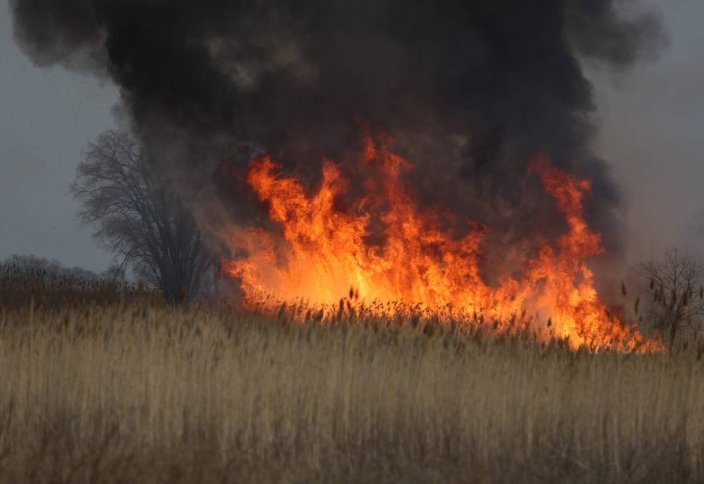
161,394
140,392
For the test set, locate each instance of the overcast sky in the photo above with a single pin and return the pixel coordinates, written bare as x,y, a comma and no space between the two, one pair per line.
46,118
651,132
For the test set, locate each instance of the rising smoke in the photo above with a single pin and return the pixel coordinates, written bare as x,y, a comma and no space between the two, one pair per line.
470,90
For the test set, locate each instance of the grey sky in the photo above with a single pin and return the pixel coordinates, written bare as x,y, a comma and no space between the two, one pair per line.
651,122
652,133
46,118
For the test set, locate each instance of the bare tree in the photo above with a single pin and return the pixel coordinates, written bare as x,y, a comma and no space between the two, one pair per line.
139,218
676,283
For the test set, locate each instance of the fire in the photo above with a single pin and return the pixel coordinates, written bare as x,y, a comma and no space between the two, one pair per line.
323,249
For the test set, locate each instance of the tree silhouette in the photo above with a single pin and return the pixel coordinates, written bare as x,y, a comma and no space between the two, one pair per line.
138,217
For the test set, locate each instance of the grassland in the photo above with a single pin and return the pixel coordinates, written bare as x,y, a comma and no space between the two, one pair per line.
121,388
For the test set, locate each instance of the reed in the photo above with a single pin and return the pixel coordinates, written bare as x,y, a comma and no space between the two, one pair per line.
137,391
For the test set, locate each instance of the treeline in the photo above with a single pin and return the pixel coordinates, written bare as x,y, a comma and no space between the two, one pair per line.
27,280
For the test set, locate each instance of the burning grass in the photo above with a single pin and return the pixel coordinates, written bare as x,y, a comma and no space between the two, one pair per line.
137,391
315,246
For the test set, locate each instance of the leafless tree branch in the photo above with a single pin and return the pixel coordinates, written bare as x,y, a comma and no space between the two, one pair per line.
136,216
676,282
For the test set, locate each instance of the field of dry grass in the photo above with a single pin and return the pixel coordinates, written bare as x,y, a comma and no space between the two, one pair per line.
141,392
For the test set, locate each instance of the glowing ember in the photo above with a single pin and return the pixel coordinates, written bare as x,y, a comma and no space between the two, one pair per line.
324,250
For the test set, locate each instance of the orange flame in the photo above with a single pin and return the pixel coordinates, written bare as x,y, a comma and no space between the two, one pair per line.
324,249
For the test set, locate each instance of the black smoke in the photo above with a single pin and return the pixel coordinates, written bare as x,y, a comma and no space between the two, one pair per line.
471,90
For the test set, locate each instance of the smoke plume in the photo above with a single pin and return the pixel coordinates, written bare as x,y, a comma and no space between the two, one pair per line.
471,90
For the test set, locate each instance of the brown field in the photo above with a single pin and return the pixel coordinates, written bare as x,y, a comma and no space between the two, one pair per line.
129,390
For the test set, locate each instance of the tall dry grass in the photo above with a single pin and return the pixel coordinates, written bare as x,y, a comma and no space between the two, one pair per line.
141,392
